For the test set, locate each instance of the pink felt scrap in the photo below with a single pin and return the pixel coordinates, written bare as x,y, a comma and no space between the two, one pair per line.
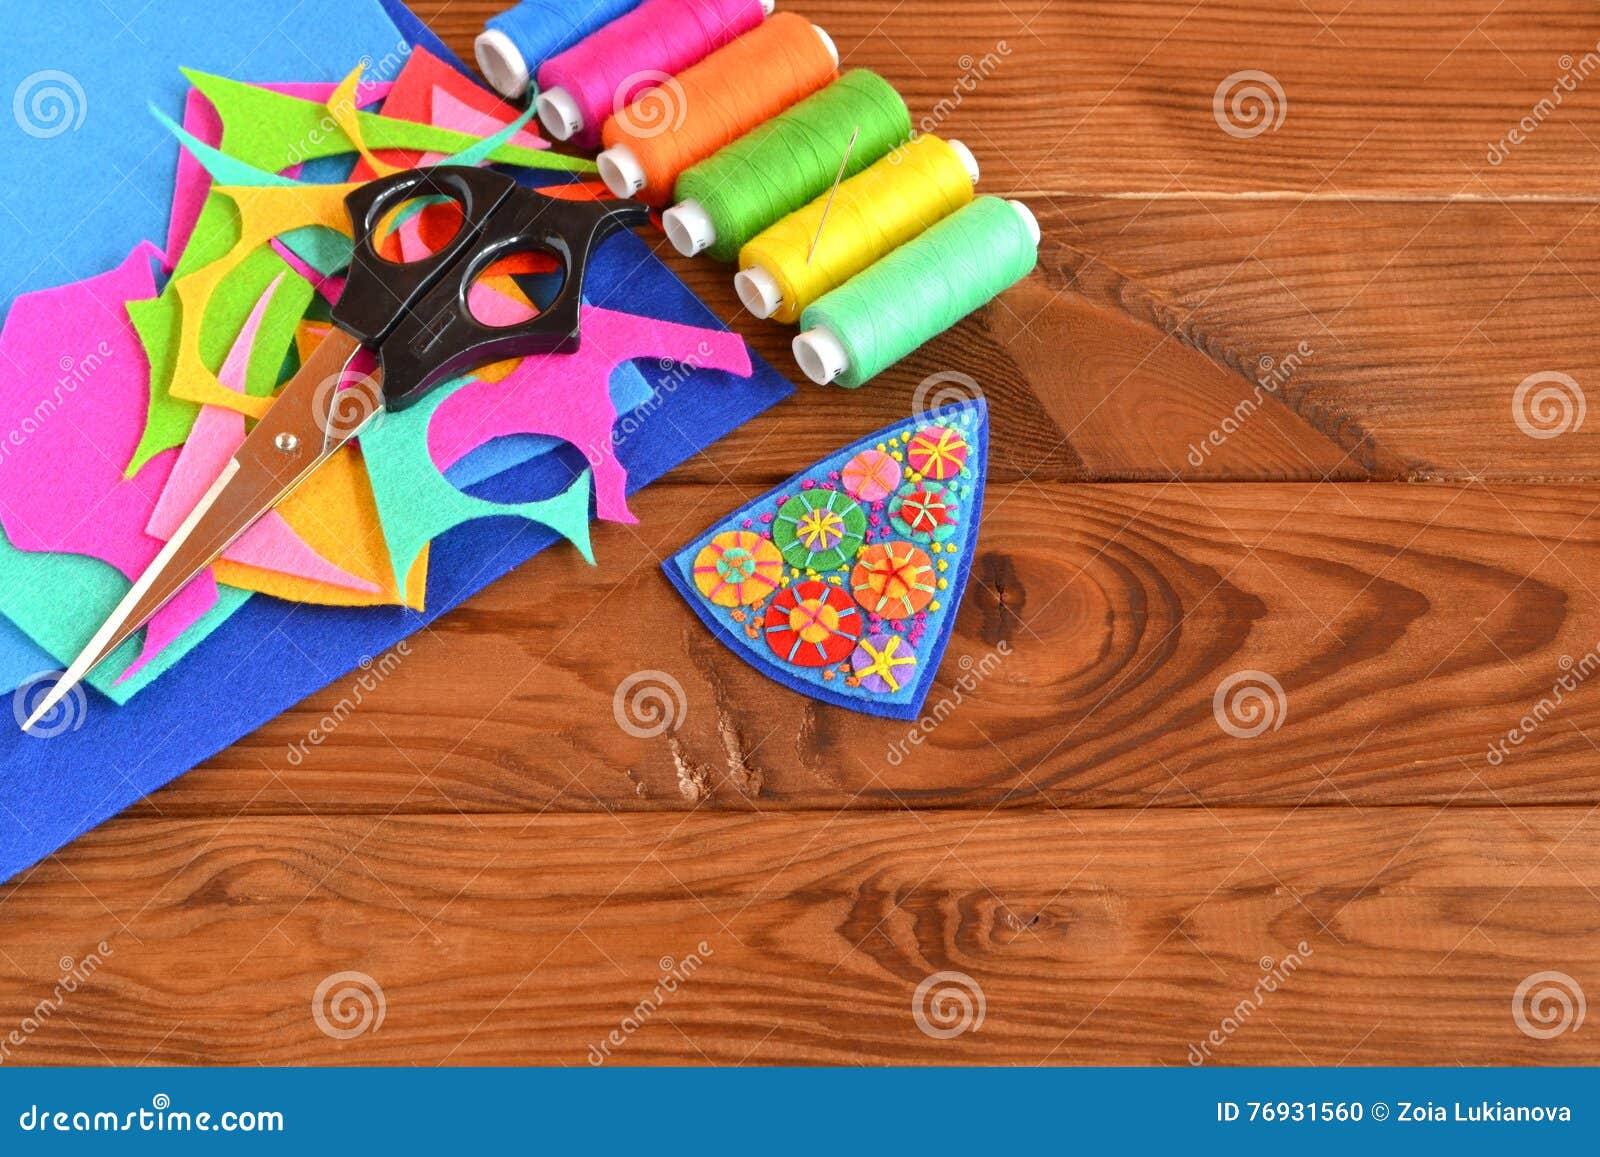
328,285
568,396
465,107
74,386
271,543
201,121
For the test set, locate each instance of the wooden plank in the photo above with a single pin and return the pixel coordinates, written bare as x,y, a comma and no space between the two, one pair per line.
1414,341
1409,627
1395,935
1082,96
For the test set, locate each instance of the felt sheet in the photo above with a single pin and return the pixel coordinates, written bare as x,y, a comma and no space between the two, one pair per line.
20,657
271,131
73,400
160,325
855,602
100,171
53,790
201,121
568,396
271,544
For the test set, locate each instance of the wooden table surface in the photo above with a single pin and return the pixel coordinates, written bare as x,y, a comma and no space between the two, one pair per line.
1393,541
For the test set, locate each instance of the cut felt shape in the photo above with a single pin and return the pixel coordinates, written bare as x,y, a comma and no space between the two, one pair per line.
416,503
201,121
568,396
72,391
430,91
21,659
873,546
271,544
100,172
271,131
162,330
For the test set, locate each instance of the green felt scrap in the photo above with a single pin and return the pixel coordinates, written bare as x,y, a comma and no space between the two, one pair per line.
416,503
156,321
271,131
59,600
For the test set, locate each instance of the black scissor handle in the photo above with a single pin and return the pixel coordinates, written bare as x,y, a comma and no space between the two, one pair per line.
379,291
425,332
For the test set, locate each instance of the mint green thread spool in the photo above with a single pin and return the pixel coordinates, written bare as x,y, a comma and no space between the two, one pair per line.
781,165
892,307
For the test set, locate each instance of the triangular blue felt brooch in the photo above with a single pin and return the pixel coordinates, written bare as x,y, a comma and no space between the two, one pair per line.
843,583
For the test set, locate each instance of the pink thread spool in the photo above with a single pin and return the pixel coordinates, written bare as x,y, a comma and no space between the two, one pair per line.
584,85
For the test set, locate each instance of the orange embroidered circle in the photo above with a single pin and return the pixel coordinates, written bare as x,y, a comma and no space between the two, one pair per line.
737,568
894,579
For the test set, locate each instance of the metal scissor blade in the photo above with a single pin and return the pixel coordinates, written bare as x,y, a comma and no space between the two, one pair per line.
310,420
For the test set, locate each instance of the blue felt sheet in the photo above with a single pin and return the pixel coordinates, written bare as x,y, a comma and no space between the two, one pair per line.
94,176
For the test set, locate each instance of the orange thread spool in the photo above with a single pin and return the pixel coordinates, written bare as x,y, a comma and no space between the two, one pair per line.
682,121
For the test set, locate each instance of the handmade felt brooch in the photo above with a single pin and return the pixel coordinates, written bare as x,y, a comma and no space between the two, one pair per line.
843,583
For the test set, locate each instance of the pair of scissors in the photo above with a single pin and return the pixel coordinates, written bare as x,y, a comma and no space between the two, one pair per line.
414,318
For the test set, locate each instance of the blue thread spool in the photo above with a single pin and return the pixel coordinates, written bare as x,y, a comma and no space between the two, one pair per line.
516,42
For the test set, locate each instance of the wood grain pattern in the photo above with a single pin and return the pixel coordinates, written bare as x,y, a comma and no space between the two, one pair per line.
1409,627
1094,937
1078,833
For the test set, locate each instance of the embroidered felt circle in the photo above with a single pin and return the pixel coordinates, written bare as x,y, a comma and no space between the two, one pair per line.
894,579
884,663
871,476
925,512
819,529
937,452
812,624
737,568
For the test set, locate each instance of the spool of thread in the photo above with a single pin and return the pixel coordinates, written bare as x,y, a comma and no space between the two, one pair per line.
873,213
581,87
918,291
670,127
517,41
777,167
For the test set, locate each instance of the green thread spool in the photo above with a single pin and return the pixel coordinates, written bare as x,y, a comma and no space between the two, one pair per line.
917,292
779,166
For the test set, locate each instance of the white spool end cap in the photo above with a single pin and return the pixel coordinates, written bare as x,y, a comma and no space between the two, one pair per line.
1028,219
559,113
820,355
768,7
758,290
502,64
621,170
827,42
968,161
689,227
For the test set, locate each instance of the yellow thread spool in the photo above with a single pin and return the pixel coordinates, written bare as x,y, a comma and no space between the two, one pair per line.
873,213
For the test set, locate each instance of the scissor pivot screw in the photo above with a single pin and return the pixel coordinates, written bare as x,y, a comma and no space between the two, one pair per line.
286,442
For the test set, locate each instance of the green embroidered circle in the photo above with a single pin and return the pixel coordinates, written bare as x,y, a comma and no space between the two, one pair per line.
819,530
